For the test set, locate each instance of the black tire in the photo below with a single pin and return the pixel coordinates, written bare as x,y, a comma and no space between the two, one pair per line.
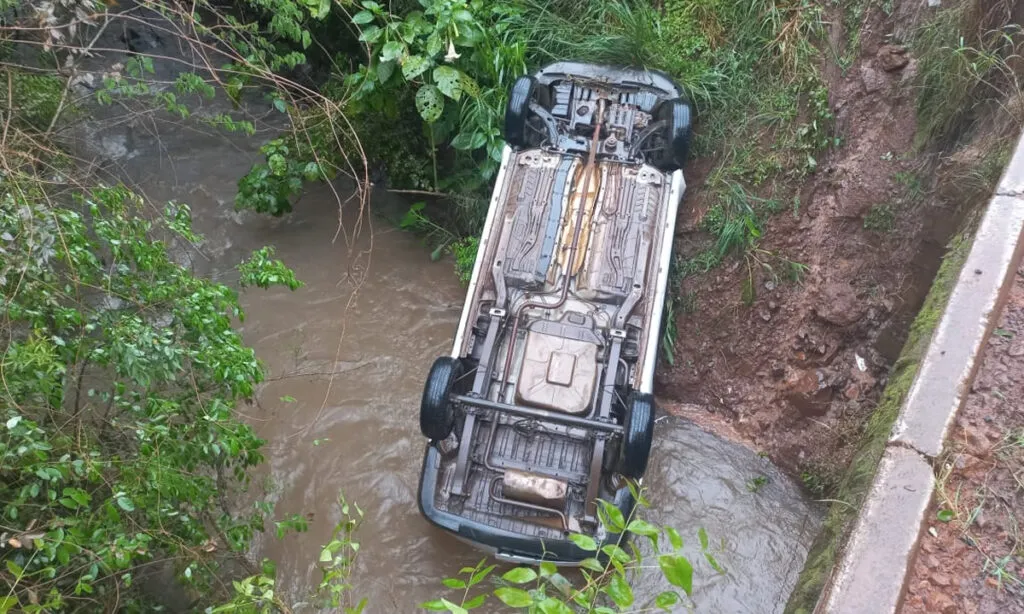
678,114
518,132
638,433
437,414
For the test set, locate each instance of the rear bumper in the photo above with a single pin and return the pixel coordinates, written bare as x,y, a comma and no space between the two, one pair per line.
502,544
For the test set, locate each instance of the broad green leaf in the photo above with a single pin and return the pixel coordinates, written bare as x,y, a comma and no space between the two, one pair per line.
561,583
520,575
547,568
553,606
592,564
642,527
15,569
126,504
475,602
666,600
362,17
414,66
437,605
392,51
945,515
677,570
371,34
454,583
515,597
674,538
462,15
326,555
618,589
611,516
616,553
385,70
6,603
451,607
702,535
469,85
430,103
449,81
481,574
583,542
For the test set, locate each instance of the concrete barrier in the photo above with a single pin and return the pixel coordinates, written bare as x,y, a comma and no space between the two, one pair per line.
871,573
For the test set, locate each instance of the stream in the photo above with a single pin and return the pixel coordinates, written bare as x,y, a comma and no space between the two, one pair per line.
346,357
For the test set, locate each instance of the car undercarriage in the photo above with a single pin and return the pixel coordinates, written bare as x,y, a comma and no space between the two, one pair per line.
545,406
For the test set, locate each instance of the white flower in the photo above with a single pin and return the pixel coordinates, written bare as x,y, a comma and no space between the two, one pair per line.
452,54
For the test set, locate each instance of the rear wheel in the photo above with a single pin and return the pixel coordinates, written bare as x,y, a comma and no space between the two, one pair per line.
678,117
522,126
638,433
437,414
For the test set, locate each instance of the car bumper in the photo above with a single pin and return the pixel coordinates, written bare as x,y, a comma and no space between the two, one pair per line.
505,545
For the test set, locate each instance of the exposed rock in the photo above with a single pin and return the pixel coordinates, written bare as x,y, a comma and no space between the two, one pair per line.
940,603
1017,349
892,57
940,579
977,443
872,79
808,392
839,305
931,561
852,392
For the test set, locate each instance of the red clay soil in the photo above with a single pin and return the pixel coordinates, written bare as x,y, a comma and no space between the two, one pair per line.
974,562
797,372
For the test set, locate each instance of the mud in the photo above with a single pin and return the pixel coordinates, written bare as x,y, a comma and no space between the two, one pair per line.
798,372
969,560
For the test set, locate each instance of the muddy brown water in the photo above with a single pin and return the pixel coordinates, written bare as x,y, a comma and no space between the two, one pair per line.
346,363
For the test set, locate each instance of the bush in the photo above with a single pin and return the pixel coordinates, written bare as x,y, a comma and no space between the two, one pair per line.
121,371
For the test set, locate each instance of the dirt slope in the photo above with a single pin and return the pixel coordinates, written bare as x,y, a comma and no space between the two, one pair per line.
797,370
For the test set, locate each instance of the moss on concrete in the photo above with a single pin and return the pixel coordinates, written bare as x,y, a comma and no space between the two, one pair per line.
858,477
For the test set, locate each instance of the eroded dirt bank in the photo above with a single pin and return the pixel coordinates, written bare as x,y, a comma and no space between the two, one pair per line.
796,368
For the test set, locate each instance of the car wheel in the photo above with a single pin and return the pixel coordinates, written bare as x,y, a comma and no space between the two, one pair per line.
637,436
520,123
437,414
678,116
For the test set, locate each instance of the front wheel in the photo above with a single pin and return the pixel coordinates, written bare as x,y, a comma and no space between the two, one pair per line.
678,117
521,126
437,414
638,433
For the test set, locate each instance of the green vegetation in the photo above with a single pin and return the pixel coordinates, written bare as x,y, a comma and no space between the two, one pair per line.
967,61
121,370
881,218
602,585
120,447
428,88
756,483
